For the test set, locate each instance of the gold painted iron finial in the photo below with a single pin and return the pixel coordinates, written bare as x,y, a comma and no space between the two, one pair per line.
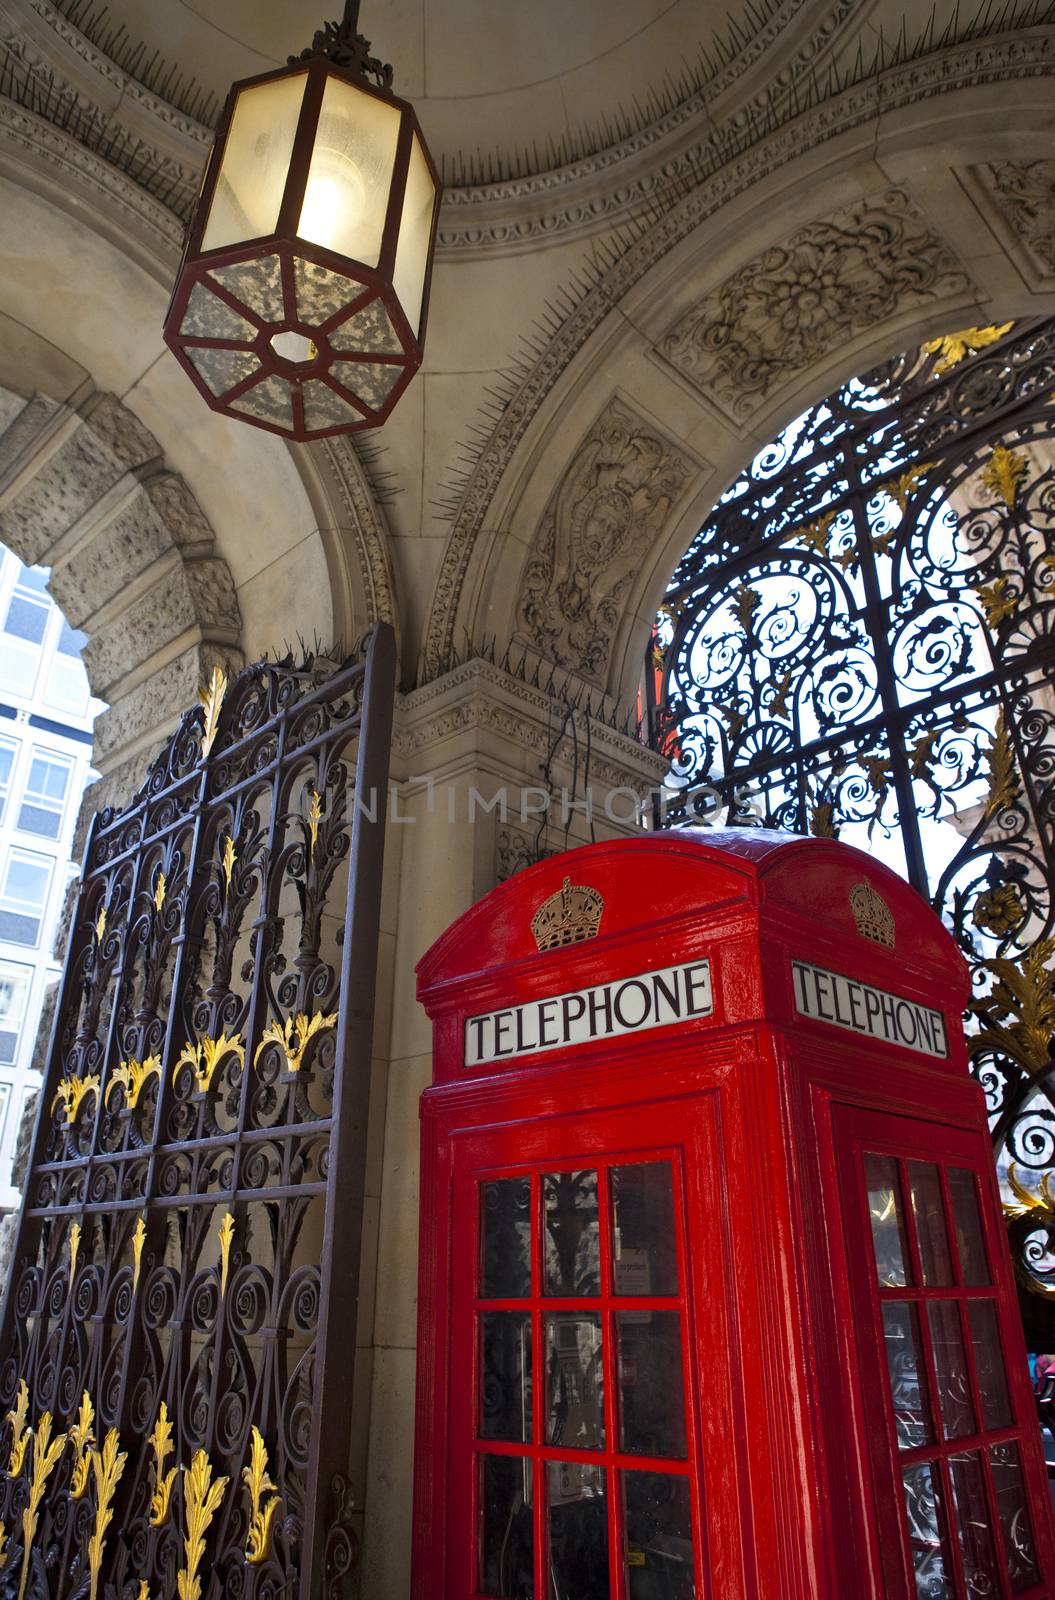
201,1498
567,917
261,1513
226,1236
82,1437
162,1446
210,697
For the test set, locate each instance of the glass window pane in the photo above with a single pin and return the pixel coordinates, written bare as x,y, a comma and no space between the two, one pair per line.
71,641
26,618
972,1524
967,1224
651,1385
19,665
505,1376
908,1380
248,193
27,882
507,1548
505,1239
350,177
67,686
577,1532
929,1211
659,1559
572,1253
1019,1550
644,1245
926,1532
888,1222
989,1363
950,1367
415,231
575,1381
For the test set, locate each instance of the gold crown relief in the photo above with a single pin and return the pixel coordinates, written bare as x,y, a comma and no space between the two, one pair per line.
570,915
873,916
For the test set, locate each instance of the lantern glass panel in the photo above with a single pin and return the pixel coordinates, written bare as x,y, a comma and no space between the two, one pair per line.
346,193
415,231
248,194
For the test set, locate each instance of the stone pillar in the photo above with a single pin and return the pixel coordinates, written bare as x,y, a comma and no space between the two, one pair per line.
471,753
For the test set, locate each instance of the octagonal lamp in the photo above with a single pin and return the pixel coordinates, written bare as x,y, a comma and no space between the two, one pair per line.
301,301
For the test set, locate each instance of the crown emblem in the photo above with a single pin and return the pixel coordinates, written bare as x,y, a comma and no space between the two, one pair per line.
572,914
873,916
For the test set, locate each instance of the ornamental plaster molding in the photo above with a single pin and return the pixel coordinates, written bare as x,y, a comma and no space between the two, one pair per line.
800,299
366,522
609,509
86,492
478,699
949,71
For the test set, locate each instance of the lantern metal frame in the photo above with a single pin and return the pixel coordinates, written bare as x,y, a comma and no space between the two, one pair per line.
337,52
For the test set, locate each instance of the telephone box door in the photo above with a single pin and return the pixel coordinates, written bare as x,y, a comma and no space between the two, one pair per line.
943,1376
575,1317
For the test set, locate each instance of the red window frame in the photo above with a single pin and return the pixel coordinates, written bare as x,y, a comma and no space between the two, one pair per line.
600,1143
860,1133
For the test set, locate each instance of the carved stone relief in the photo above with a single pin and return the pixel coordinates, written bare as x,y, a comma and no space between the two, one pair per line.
1023,192
611,505
828,282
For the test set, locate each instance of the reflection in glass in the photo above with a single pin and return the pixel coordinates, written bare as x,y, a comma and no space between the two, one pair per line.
967,1225
989,1363
1019,1550
571,1253
644,1245
505,1376
908,1381
950,1367
578,1531
575,1381
651,1386
929,1211
888,1223
972,1524
925,1516
507,1553
505,1239
659,1563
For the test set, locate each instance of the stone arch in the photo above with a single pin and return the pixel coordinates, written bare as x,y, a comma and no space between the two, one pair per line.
930,218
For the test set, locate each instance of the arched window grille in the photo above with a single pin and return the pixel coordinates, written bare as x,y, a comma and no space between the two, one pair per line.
860,642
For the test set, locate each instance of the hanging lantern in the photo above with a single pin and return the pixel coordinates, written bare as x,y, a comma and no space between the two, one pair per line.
300,305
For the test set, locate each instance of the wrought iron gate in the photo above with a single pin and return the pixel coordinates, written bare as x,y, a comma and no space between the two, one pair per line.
179,1335
861,642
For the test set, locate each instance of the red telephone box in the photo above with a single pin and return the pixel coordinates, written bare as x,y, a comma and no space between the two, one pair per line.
715,1297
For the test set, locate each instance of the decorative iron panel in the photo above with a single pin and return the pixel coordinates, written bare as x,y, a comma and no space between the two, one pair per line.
179,1334
860,642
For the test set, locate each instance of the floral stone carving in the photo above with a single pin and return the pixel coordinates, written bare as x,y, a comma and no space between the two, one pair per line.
828,282
1024,192
610,507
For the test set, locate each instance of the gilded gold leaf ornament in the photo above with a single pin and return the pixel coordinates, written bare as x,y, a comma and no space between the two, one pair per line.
159,891
46,1452
162,1446
133,1076
952,348
20,1433
100,924
821,824
75,1245
1004,473
226,1236
229,859
314,818
72,1092
4,1542
747,603
998,600
139,1235
1004,787
1018,1015
203,1057
82,1437
294,1035
201,1500
107,1467
261,1512
211,699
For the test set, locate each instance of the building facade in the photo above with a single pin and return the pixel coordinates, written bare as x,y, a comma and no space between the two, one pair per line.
45,762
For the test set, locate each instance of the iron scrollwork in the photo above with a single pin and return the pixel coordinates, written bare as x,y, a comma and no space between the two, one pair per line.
860,643
174,1391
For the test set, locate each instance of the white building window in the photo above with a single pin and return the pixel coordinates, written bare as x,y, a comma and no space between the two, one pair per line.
67,685
8,751
44,796
25,625
15,984
23,897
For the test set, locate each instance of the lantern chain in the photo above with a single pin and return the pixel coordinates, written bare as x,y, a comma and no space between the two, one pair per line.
342,43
